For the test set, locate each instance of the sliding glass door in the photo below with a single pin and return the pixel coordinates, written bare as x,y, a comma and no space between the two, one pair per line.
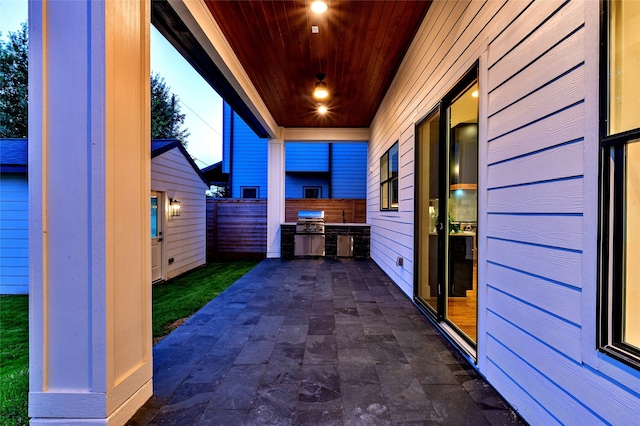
446,209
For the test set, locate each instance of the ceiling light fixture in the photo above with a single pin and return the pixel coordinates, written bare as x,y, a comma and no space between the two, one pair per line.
322,109
319,7
474,94
320,90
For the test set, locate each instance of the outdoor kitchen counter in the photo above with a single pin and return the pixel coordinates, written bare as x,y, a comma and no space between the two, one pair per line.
361,233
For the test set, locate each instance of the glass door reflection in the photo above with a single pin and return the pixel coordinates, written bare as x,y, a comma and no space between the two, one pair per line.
447,212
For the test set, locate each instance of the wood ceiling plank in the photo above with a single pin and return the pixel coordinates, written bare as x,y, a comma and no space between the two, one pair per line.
359,48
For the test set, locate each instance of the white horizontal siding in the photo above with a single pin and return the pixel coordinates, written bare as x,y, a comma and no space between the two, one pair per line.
596,399
533,194
14,231
185,235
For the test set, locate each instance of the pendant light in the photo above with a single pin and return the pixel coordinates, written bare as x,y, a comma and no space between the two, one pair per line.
320,90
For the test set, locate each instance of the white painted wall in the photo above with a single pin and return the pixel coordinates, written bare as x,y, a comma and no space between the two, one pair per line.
14,234
537,195
184,236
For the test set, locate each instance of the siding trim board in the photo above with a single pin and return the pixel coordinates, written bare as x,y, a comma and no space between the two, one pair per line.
537,195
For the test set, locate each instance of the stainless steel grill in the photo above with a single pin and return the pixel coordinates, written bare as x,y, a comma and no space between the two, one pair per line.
310,222
309,238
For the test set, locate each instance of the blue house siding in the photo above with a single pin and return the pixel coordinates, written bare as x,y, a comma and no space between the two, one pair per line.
244,155
227,112
339,168
349,170
14,239
295,183
306,157
249,167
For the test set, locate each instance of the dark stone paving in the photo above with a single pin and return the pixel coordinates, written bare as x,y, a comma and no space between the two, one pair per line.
315,342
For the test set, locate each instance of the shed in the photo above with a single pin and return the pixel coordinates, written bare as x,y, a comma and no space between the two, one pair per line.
178,211
14,211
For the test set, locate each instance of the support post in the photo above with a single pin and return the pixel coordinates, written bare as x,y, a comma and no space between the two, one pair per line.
275,198
90,340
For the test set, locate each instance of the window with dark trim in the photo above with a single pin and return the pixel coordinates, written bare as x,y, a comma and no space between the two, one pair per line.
389,179
619,293
312,191
249,191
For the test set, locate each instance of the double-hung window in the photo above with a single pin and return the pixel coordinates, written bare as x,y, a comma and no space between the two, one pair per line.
389,179
619,310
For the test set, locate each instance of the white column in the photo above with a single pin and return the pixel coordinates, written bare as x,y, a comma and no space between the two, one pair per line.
89,228
275,196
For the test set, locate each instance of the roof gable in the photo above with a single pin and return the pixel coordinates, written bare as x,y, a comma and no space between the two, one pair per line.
160,146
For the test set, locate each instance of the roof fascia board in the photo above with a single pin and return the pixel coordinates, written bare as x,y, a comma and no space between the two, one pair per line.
196,16
334,134
13,168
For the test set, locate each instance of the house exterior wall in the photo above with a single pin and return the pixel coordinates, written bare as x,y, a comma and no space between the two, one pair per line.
341,168
349,170
295,184
185,235
227,112
537,194
14,234
244,155
306,157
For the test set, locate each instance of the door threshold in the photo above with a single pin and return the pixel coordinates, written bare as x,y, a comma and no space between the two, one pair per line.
462,343
449,332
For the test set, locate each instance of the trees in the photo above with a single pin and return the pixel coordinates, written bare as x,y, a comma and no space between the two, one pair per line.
14,65
166,120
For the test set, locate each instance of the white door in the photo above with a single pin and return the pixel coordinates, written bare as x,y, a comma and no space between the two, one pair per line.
156,236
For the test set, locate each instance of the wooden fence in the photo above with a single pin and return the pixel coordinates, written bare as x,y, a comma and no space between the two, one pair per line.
236,228
336,210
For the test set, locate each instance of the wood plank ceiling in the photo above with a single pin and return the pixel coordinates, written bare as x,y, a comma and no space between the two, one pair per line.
359,47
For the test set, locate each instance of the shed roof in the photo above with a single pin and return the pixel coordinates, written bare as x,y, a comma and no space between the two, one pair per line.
13,155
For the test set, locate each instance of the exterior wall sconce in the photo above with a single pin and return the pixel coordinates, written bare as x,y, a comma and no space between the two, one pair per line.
174,207
320,90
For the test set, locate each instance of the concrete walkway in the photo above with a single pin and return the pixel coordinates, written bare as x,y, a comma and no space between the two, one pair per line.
315,342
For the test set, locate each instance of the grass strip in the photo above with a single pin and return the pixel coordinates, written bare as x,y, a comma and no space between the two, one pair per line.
14,359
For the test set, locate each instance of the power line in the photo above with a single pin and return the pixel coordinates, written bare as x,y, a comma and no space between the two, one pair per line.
196,114
199,161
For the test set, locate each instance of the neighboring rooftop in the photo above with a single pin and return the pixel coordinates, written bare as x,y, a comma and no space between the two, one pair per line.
214,175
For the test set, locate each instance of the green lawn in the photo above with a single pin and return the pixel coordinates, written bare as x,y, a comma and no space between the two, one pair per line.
14,359
173,300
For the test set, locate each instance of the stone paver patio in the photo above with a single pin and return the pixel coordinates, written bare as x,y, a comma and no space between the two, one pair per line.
315,342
